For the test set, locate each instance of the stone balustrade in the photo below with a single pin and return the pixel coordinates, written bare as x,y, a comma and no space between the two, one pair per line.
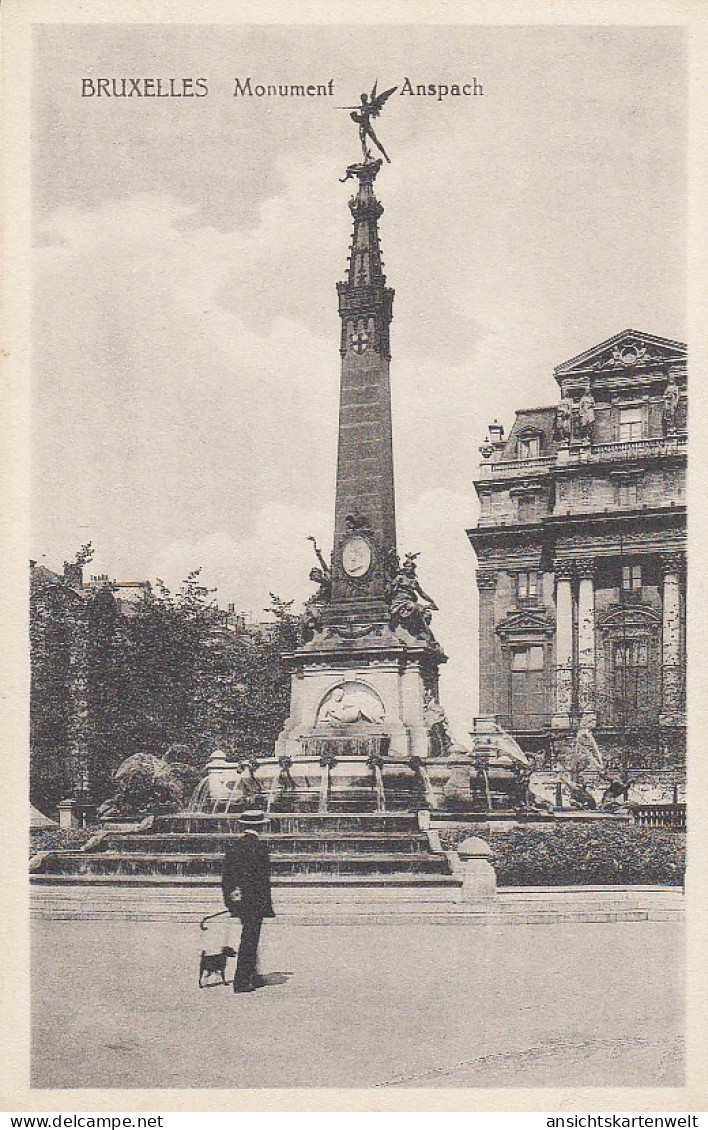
577,453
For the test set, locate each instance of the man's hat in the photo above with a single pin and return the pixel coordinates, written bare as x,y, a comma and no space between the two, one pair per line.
253,818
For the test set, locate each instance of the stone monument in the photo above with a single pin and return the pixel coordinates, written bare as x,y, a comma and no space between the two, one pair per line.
367,670
366,729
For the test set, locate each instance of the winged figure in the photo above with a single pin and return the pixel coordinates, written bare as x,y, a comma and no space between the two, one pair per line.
370,107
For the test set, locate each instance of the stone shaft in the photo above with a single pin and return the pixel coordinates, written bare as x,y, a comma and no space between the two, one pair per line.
365,499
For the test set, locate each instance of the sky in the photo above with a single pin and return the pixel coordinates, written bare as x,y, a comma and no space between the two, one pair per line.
185,327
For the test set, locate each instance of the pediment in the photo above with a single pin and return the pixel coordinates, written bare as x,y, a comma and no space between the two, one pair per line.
628,352
526,622
623,618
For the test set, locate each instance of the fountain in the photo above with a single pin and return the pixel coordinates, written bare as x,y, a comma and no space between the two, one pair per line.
336,774
366,743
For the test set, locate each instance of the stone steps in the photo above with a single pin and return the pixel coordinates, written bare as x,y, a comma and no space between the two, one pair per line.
147,863
320,883
313,823
279,842
306,900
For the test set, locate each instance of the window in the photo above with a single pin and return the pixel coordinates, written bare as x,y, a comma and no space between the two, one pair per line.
529,447
632,578
527,588
527,508
631,681
630,424
627,493
528,696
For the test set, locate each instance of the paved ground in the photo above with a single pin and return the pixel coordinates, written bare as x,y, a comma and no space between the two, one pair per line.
116,1004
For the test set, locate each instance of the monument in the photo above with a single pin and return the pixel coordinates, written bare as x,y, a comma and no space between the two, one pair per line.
366,729
368,662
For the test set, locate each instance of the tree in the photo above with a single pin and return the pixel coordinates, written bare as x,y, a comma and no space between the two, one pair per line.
171,673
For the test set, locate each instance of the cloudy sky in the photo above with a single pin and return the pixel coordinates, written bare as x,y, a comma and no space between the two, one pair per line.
185,352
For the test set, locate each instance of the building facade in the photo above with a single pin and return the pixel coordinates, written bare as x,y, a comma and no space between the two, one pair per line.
581,558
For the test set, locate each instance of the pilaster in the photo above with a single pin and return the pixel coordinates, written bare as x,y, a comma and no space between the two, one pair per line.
564,645
586,640
673,705
487,584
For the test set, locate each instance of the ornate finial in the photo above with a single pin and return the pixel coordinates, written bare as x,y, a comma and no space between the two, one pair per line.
370,107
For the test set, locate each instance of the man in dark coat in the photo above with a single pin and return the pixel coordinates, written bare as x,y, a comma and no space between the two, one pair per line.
245,881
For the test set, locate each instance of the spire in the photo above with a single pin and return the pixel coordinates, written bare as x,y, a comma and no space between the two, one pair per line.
365,265
364,291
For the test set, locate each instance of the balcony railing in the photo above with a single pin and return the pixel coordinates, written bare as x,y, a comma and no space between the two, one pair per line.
516,468
578,453
622,450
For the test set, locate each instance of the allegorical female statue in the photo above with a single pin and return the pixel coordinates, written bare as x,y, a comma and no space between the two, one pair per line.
586,415
411,607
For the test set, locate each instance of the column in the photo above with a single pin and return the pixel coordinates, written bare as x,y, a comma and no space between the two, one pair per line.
564,645
487,584
672,697
586,640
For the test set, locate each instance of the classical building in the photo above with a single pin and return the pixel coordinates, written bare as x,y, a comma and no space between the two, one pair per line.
581,558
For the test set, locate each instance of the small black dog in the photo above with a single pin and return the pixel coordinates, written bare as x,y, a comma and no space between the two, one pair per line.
215,963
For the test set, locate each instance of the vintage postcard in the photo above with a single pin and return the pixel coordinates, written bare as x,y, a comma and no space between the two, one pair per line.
347,433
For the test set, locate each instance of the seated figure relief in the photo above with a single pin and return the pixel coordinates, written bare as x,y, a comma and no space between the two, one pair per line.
347,705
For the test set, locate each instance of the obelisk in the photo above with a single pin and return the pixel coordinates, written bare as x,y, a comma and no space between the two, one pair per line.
367,669
365,510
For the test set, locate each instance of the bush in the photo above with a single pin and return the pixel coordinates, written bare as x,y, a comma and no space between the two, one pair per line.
59,839
569,854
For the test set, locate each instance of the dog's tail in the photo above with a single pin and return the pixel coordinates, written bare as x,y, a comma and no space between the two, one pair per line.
208,916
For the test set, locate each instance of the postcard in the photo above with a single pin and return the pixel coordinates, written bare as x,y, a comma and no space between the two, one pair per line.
347,431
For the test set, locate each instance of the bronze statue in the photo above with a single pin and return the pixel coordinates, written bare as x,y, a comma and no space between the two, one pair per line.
311,619
411,607
440,740
370,107
580,795
322,576
617,790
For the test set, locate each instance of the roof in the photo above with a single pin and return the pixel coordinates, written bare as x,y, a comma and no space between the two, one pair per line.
39,820
625,352
538,420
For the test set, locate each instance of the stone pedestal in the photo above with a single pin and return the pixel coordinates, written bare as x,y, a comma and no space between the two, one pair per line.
74,813
68,815
369,689
479,879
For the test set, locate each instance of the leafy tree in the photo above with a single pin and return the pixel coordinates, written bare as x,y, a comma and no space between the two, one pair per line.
168,676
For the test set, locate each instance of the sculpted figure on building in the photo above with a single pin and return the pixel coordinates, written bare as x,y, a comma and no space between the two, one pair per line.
564,419
586,415
672,397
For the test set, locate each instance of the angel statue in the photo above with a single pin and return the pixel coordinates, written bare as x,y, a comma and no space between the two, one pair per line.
370,107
